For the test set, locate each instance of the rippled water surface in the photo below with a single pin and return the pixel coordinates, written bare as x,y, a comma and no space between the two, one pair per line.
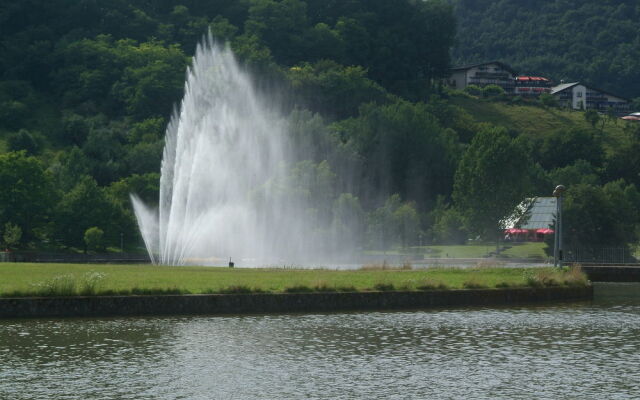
585,350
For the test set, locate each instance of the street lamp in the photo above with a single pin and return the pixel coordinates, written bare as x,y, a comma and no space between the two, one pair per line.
557,247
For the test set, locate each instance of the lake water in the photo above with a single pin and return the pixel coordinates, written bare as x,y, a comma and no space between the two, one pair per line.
583,350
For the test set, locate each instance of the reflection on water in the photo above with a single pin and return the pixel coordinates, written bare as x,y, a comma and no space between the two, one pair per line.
568,351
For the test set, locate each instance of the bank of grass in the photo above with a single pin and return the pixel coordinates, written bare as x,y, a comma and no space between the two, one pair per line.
534,250
24,280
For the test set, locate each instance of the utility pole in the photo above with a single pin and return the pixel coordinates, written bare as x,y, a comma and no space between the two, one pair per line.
557,247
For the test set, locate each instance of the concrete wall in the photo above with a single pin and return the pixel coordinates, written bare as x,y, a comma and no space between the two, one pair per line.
98,306
612,273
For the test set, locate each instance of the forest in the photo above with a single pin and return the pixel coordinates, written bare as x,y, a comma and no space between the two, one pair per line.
591,41
87,89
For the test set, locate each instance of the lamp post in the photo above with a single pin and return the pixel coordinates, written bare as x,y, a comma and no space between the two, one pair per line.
557,247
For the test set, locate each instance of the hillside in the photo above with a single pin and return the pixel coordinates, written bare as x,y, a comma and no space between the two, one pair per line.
594,41
87,88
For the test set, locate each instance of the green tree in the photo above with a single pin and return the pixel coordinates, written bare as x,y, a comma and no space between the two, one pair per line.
548,100
592,117
12,235
448,224
600,216
348,221
86,206
27,194
332,89
407,221
403,150
31,142
94,239
381,228
492,91
491,180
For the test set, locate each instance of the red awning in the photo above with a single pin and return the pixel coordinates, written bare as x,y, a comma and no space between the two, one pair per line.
631,118
545,231
515,231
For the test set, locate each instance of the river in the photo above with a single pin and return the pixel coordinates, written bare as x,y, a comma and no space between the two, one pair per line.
588,350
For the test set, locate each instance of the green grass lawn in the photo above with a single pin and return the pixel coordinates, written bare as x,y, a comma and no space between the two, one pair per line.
527,118
534,250
25,279
443,251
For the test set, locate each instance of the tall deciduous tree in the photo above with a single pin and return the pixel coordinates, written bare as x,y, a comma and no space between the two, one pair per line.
26,193
491,180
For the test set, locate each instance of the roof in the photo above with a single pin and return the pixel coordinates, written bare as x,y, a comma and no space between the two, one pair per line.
563,87
533,213
501,64
541,214
531,78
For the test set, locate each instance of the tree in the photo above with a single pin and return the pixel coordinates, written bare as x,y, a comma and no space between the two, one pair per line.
12,235
93,239
491,180
404,150
600,216
86,206
30,142
332,89
27,194
592,117
381,228
407,223
448,224
548,100
492,91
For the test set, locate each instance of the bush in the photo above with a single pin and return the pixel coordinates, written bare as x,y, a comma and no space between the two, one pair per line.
384,287
474,90
474,283
492,91
298,289
432,284
94,238
548,100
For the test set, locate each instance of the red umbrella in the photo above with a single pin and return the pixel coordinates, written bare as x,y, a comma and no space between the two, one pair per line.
545,231
512,230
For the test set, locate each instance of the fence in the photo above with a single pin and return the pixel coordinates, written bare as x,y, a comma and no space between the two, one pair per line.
37,257
600,255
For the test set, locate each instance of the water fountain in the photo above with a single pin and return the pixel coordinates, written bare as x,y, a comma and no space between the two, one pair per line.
224,160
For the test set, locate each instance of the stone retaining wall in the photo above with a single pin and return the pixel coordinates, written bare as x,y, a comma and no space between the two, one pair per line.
100,306
611,273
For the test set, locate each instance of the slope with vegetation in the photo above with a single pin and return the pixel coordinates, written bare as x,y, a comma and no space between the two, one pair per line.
86,89
592,40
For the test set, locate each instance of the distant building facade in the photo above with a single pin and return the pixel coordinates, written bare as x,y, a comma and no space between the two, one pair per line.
489,73
579,96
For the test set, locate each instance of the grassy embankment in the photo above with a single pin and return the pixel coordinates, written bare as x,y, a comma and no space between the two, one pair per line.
536,120
20,280
532,250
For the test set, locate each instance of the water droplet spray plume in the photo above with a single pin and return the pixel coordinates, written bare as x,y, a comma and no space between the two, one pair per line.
224,157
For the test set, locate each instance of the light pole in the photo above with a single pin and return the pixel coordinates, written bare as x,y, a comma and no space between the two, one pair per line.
557,247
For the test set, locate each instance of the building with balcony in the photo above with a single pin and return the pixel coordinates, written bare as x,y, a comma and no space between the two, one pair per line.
489,73
532,86
579,96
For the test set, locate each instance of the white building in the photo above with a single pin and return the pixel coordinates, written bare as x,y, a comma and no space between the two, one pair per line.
581,97
489,73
